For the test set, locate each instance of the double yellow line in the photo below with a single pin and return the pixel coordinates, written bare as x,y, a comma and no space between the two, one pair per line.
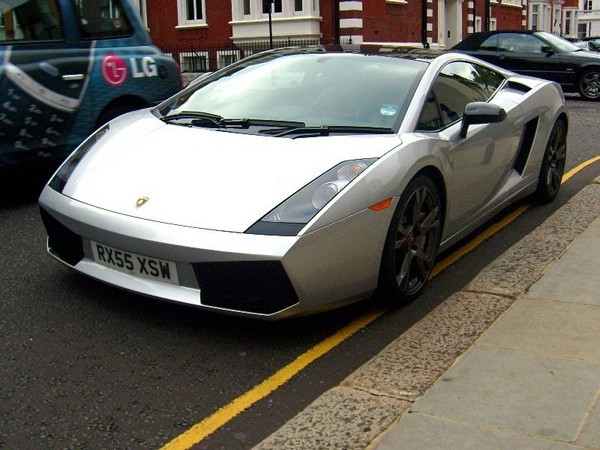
225,414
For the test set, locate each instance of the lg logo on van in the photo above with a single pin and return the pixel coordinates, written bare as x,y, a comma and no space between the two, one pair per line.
114,68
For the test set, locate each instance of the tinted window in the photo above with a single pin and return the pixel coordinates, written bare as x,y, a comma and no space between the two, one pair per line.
490,44
31,20
489,78
457,85
520,43
103,18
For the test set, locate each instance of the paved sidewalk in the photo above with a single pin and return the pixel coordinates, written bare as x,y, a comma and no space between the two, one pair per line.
512,361
532,380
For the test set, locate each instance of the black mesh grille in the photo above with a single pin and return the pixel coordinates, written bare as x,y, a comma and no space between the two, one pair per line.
253,286
62,242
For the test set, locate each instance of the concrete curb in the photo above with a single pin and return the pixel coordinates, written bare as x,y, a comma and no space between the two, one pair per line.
359,412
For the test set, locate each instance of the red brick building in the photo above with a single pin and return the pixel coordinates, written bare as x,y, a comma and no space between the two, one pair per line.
207,34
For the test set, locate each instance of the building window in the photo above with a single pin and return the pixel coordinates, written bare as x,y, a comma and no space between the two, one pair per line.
227,57
193,61
194,10
568,15
493,24
298,5
535,17
246,6
277,6
191,12
477,24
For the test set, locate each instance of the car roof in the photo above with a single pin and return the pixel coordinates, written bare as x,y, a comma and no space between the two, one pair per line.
477,38
413,53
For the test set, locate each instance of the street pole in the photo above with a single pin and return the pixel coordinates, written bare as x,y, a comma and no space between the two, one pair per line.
269,4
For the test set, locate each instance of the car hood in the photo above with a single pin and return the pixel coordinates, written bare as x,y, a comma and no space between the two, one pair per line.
582,55
205,178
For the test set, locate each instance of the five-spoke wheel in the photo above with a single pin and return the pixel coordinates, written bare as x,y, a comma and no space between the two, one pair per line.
412,241
589,84
553,164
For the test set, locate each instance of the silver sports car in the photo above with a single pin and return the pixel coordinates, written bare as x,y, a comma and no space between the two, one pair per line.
299,180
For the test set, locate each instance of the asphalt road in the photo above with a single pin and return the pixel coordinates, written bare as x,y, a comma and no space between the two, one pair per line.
84,365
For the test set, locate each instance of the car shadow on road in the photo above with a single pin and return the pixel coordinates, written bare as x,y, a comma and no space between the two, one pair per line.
22,186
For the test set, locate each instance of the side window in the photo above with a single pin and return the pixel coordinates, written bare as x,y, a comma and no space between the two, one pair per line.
31,20
489,79
457,84
103,19
520,43
490,44
430,118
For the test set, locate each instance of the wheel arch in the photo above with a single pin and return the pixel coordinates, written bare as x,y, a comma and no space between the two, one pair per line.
118,106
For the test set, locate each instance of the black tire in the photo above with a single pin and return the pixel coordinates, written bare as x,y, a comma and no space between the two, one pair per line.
412,242
589,84
553,164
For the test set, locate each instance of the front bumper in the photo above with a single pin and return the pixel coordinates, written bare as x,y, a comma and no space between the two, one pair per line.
269,277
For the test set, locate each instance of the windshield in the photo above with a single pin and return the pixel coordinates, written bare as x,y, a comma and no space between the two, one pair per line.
315,89
558,43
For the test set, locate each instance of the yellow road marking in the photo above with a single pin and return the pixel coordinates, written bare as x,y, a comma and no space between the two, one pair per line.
581,166
203,429
212,423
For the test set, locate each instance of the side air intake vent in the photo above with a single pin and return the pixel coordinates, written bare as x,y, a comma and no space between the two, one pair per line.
527,138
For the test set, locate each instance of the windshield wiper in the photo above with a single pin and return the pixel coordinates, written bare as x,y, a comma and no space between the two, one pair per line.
203,117
326,130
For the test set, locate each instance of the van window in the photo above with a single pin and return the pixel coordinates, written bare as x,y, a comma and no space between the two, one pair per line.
30,20
103,19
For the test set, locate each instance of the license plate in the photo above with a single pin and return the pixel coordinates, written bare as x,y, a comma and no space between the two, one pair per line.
134,264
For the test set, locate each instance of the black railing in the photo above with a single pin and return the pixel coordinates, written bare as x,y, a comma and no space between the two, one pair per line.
198,58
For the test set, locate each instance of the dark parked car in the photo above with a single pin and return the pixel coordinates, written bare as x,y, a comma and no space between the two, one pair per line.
589,43
539,54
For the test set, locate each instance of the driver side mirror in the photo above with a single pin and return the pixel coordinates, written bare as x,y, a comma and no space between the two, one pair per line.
547,50
480,112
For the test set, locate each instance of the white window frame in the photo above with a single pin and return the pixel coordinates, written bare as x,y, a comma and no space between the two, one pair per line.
516,3
478,23
193,55
535,19
310,9
493,24
183,21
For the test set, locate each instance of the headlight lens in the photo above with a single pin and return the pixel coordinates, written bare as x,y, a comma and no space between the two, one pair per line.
301,207
60,178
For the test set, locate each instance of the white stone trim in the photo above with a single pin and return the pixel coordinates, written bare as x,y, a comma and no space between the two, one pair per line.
351,23
351,6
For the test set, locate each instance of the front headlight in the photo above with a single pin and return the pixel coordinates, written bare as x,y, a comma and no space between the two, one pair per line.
60,178
289,217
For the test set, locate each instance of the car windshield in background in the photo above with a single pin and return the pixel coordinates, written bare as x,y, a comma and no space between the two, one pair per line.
559,43
303,90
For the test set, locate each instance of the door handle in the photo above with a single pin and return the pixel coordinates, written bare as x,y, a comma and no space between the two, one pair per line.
73,77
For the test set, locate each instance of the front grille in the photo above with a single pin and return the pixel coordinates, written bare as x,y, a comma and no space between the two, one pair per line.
260,287
62,242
